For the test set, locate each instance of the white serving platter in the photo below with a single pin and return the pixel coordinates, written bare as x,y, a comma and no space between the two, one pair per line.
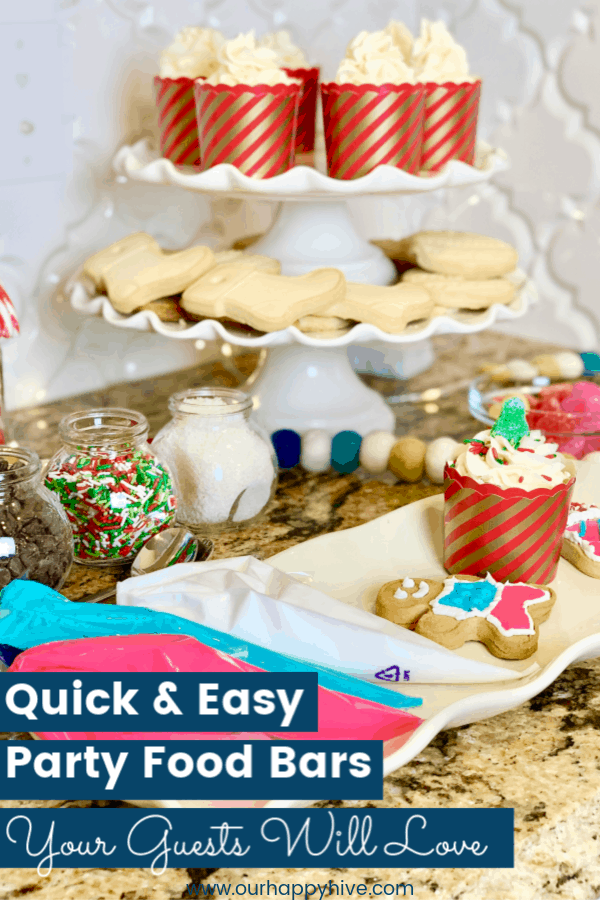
352,565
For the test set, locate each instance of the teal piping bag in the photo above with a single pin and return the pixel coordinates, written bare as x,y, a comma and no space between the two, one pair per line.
32,614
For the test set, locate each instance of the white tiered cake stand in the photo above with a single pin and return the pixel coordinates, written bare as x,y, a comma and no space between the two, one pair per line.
313,227
306,381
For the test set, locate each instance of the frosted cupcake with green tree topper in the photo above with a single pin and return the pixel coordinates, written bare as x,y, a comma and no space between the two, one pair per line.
507,498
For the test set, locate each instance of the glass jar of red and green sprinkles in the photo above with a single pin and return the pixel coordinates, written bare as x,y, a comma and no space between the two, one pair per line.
112,487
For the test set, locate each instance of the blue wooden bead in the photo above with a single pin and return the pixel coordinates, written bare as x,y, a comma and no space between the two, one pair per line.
287,447
345,450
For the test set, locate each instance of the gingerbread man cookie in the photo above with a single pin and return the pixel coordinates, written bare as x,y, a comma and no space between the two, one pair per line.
503,617
581,545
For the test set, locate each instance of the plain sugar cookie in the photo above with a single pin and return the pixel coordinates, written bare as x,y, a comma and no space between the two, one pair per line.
461,253
453,292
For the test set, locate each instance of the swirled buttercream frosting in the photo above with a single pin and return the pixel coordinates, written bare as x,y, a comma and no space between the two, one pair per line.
534,464
288,54
192,54
436,56
373,57
243,61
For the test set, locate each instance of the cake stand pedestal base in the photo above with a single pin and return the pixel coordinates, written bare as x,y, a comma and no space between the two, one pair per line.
301,387
390,360
316,234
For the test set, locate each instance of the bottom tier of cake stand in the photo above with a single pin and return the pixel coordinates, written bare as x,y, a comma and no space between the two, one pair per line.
301,387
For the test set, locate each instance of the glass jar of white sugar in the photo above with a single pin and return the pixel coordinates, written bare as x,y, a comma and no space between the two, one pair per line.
223,465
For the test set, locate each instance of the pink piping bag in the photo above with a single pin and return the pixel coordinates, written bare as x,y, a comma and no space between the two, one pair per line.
341,716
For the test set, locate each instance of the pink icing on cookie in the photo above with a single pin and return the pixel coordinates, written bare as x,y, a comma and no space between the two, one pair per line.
504,605
510,611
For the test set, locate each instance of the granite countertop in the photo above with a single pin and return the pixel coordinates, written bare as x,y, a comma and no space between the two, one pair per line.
543,758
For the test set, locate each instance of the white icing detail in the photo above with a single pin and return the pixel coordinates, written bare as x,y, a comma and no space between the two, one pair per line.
400,594
408,583
422,592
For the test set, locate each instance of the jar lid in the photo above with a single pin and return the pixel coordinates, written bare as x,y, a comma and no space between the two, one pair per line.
18,464
210,401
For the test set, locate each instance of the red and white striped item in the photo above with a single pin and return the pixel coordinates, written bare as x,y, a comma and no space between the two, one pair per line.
450,124
177,120
307,109
9,325
368,126
513,534
250,127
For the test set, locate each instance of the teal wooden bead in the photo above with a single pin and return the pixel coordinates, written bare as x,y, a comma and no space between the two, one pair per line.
345,451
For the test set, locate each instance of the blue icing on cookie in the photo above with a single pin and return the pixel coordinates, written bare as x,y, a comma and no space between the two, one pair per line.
470,595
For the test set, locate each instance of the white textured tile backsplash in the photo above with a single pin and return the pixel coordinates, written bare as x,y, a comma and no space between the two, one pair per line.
76,78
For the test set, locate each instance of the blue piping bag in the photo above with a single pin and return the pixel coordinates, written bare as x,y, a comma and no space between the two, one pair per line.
33,614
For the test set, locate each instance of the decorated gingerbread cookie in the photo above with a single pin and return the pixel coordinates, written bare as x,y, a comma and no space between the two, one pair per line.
503,617
581,545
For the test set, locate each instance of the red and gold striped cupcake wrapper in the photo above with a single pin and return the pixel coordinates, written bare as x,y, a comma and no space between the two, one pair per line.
450,124
368,126
252,128
307,109
177,120
515,535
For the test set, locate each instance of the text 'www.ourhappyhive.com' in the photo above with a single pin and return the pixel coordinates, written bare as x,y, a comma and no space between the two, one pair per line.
285,889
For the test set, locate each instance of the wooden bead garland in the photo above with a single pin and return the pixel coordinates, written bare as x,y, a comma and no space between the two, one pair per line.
408,458
375,451
565,364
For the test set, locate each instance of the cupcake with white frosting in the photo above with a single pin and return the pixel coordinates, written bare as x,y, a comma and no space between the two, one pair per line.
373,111
191,55
294,62
247,110
507,498
289,55
451,97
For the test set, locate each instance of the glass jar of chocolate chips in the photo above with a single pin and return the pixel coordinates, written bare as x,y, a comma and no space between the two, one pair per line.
36,541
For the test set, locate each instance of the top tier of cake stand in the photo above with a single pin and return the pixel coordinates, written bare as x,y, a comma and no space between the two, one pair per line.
142,163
